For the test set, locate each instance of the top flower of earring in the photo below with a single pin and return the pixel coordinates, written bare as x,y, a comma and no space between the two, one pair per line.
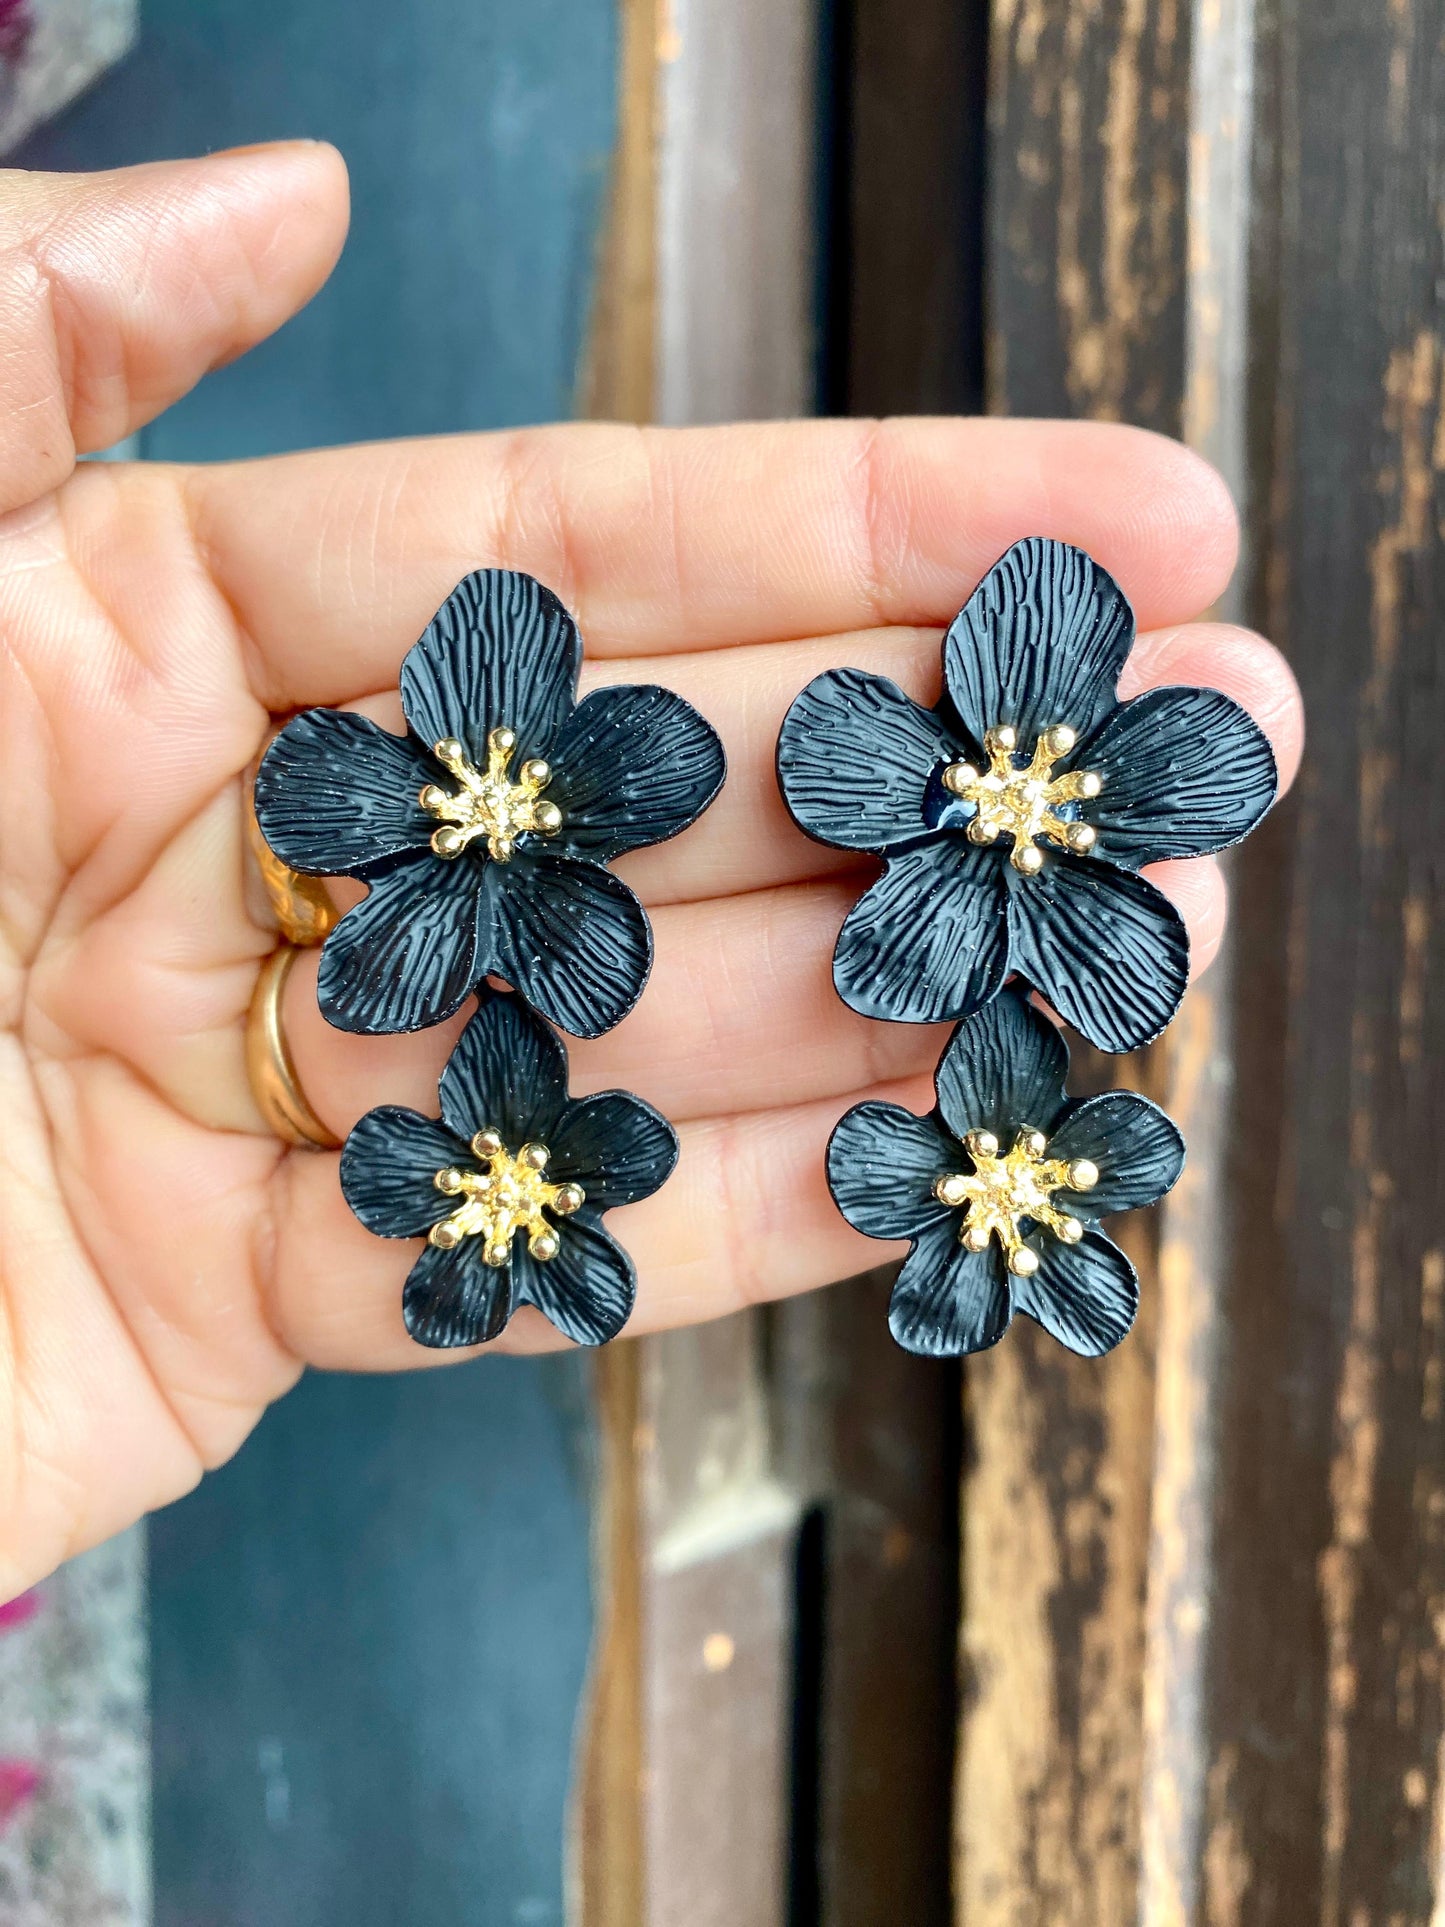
484,831
1015,816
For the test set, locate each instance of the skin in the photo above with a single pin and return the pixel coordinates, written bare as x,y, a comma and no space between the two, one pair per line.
166,1267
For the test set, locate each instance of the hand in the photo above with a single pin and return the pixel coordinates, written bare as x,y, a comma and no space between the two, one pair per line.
166,1268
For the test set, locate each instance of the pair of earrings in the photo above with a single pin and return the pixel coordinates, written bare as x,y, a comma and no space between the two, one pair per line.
1012,821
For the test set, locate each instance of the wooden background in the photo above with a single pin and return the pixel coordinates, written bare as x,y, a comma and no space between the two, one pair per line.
1042,1643
1201,1594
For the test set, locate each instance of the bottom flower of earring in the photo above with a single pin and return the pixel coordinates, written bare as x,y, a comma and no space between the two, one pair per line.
1000,1188
509,1186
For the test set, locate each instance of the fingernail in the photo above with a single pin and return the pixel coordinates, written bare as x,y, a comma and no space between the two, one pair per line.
263,147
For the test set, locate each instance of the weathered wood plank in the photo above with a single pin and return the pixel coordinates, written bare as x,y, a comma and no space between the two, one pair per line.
904,329
1326,1716
684,1809
1195,1249
868,1436
1087,156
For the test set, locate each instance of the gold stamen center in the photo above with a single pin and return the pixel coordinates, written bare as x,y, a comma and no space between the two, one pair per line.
1005,1187
1022,801
487,802
509,1194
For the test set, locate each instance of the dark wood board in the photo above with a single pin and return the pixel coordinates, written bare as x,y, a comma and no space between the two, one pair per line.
1324,1696
1086,270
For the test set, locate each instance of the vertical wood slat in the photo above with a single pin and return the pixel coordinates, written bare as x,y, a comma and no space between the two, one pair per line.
735,252
867,1435
1195,1250
605,1843
1086,259
1292,1690
1325,1719
683,1811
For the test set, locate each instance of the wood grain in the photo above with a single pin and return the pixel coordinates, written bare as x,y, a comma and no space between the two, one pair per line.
605,1832
683,1811
868,1434
1324,1695
1088,110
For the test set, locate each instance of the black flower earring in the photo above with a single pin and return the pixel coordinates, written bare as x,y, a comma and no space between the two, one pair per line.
1013,818
482,836
1000,1189
509,1186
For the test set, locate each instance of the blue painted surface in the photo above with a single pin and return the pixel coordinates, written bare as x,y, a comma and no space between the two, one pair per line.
478,134
369,1631
368,1634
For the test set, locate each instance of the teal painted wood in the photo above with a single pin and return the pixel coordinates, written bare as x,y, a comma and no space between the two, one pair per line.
369,1632
478,138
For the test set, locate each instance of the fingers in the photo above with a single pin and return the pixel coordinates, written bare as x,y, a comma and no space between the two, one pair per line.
747,840
1246,668
746,1218
118,291
677,540
740,1014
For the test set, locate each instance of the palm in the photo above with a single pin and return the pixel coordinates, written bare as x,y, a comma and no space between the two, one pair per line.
165,1268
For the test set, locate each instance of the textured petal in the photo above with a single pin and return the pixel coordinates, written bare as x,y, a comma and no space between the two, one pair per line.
454,1298
407,956
948,1300
587,1290
388,1167
1041,641
854,759
929,941
1108,950
1137,1148
571,938
1086,1294
508,1072
615,1146
882,1164
500,651
634,765
335,794
1003,1068
1185,771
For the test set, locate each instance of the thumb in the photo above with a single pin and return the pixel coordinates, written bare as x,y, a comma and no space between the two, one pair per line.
118,291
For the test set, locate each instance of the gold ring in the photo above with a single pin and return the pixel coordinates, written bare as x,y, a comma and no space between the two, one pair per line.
304,913
274,1082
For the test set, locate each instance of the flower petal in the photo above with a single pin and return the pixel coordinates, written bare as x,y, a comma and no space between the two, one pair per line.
508,1072
854,759
388,1170
929,941
1186,771
1107,950
634,765
587,1290
948,1300
1003,1068
455,1298
407,956
882,1165
1040,641
500,652
615,1146
336,794
1138,1150
571,938
1085,1295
